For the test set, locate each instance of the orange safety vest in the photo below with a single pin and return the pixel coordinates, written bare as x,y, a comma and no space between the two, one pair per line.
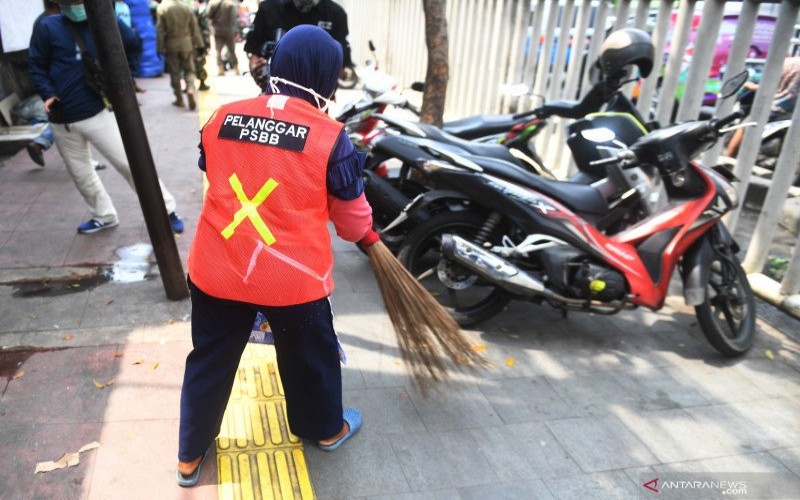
262,236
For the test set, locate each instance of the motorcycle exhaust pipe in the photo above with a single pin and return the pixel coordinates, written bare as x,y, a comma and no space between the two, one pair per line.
496,269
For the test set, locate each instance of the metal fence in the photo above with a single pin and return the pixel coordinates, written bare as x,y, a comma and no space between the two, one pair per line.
548,45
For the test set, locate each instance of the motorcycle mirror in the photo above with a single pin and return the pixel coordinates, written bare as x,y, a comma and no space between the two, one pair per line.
371,46
731,86
516,89
598,135
418,86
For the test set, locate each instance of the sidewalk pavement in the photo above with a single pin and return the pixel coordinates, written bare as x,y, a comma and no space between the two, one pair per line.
580,407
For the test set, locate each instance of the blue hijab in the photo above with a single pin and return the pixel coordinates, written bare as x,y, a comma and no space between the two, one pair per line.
308,56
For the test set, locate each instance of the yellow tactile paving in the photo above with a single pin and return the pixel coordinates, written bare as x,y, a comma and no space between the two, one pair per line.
257,456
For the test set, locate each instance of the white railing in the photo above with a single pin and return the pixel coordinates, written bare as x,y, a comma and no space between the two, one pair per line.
495,42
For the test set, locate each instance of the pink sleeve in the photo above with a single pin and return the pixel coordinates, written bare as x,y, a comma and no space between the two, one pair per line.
352,219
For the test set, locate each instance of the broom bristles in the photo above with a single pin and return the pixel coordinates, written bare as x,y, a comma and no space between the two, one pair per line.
424,329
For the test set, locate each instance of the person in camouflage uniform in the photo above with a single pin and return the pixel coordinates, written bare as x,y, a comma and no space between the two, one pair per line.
200,13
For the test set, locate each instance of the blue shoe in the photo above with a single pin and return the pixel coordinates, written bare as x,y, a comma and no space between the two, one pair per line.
354,420
191,479
176,222
94,225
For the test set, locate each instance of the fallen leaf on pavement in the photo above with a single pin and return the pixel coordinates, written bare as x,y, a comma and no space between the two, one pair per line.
67,460
100,385
117,354
68,337
155,365
18,375
509,362
138,362
89,446
479,347
768,353
110,302
32,316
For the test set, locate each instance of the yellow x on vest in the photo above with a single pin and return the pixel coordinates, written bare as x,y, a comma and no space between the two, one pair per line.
249,209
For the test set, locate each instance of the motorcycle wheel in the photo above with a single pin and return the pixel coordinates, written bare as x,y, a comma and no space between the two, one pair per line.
728,315
347,78
465,296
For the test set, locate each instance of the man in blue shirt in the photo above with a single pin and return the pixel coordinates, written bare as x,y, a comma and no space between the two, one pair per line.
78,112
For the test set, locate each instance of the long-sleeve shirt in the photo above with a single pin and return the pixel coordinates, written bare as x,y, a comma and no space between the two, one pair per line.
176,28
56,67
273,15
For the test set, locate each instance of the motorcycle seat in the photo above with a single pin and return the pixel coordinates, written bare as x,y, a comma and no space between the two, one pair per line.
475,148
581,198
474,127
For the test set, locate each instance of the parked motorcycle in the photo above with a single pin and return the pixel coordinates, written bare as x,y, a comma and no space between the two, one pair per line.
392,181
552,242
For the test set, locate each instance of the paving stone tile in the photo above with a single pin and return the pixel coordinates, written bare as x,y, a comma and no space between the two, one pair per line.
523,452
520,400
718,384
365,466
679,435
142,303
450,494
595,394
30,443
770,423
789,457
28,248
750,462
600,444
454,406
13,213
772,377
148,382
137,459
526,489
598,486
46,312
441,460
660,388
100,248
65,376
390,410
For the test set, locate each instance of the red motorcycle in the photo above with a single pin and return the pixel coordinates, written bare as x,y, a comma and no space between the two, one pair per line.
582,248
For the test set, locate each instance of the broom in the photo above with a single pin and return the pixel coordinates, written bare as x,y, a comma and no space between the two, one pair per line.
425,332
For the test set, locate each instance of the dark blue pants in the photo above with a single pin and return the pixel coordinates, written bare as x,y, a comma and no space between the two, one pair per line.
308,363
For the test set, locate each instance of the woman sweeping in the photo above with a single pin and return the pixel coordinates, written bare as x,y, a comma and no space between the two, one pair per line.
278,169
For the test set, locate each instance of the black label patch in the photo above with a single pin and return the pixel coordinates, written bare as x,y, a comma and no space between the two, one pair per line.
265,131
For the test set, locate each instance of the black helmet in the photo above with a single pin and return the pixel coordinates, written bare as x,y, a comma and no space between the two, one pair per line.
626,47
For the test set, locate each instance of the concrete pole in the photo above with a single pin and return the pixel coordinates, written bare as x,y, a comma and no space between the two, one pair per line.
701,60
741,46
598,36
648,88
680,38
111,56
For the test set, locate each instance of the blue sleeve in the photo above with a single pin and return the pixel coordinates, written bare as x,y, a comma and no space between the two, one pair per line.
345,170
39,59
201,162
130,40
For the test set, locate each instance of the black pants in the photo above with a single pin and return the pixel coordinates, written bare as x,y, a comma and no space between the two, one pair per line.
308,363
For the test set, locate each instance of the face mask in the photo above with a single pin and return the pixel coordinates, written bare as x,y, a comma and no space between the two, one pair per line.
75,13
305,5
273,81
